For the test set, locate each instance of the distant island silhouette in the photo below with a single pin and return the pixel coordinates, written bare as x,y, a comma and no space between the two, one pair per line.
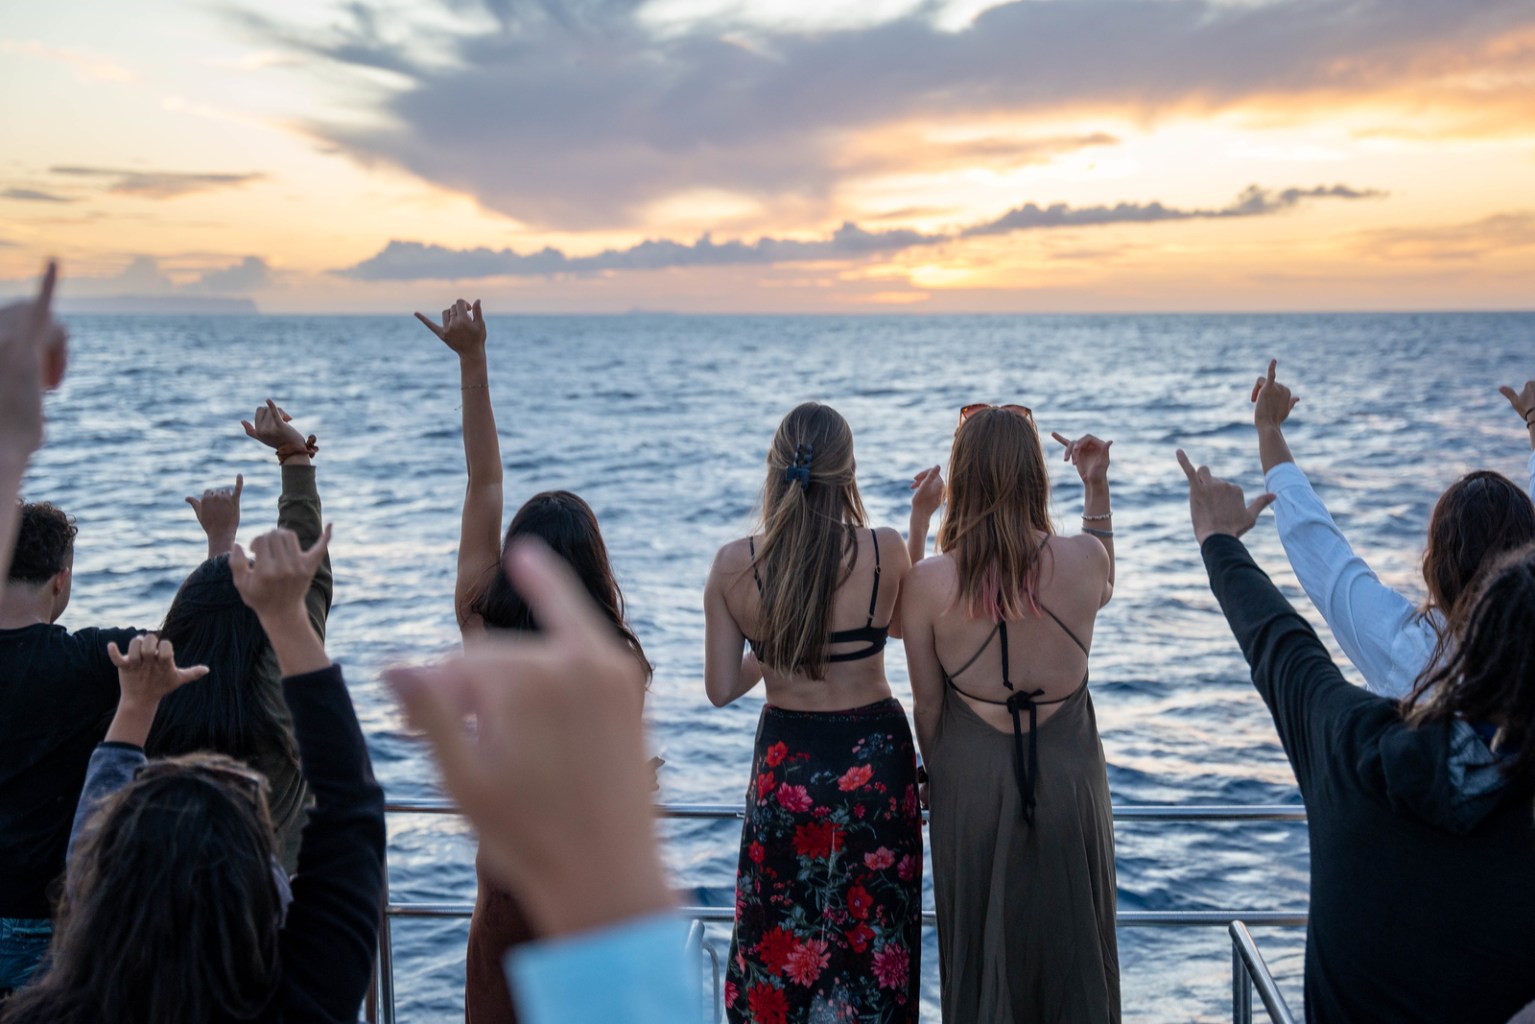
159,305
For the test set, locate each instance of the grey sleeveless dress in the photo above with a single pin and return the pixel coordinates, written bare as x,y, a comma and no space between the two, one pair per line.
1025,910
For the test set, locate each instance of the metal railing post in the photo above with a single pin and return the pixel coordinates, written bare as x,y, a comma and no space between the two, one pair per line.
1248,963
384,982
1248,970
1241,990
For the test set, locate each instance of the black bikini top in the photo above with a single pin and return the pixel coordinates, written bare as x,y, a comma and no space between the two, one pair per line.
873,636
1016,704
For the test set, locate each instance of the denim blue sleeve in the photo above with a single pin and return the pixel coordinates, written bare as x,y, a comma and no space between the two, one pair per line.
634,972
112,767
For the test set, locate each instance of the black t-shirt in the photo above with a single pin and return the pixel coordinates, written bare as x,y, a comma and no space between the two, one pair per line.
1422,908
58,691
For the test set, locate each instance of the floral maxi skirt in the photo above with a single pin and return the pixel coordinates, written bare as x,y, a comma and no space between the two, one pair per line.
829,888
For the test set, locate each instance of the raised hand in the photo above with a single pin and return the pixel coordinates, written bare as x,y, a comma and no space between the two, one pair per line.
1216,505
1271,400
462,328
218,513
146,675
1089,454
33,353
1522,401
552,777
927,493
273,427
274,584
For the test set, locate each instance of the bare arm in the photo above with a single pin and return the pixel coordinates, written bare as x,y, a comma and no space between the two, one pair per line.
479,546
32,355
927,495
1091,457
922,660
728,674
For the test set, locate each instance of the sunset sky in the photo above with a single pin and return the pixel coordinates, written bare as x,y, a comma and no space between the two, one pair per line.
776,155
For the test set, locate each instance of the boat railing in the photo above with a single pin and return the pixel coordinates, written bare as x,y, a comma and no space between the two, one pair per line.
1249,972
1245,956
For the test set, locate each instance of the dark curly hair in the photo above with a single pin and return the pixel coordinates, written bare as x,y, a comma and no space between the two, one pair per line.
43,543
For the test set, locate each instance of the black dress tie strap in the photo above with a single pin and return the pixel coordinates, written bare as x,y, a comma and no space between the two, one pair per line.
1019,702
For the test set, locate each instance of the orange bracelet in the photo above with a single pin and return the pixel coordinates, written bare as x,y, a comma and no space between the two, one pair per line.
292,448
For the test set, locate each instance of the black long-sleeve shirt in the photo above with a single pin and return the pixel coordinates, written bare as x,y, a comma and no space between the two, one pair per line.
1422,858
331,933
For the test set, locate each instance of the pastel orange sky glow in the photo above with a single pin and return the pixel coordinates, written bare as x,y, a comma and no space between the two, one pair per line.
777,156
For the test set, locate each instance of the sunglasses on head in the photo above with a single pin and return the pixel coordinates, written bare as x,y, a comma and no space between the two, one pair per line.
251,782
970,410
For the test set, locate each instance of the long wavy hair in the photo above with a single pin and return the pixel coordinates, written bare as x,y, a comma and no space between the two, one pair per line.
998,505
226,711
171,914
808,536
1477,519
568,525
1489,674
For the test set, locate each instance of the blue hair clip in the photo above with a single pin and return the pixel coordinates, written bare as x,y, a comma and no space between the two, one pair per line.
803,454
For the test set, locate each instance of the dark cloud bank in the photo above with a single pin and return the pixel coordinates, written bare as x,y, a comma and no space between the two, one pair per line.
405,261
576,114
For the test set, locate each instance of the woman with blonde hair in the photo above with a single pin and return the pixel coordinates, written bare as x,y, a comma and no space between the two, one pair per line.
997,629
828,892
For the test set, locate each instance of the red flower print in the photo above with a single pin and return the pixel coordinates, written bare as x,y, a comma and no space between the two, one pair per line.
765,785
859,902
794,798
909,804
731,992
818,840
806,962
776,753
768,1004
859,938
775,949
908,868
890,966
756,852
858,810
879,860
855,777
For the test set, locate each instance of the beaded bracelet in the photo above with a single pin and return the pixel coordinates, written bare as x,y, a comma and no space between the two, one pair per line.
1103,515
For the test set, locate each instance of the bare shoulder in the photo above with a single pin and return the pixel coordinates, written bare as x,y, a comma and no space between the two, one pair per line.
892,545
932,579
1081,552
731,561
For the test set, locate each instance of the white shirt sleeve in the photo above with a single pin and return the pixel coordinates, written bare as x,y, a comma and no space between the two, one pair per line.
633,972
1380,630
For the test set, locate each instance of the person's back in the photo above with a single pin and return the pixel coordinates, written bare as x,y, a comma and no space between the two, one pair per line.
57,692
1421,902
997,631
1421,813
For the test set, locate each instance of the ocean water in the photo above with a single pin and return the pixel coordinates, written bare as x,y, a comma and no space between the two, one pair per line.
662,423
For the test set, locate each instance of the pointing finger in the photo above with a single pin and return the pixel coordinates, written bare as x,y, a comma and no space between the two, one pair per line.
1188,467
239,485
1063,440
1273,369
558,599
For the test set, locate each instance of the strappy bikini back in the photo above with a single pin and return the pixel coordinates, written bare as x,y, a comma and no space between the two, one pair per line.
1024,771
872,636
